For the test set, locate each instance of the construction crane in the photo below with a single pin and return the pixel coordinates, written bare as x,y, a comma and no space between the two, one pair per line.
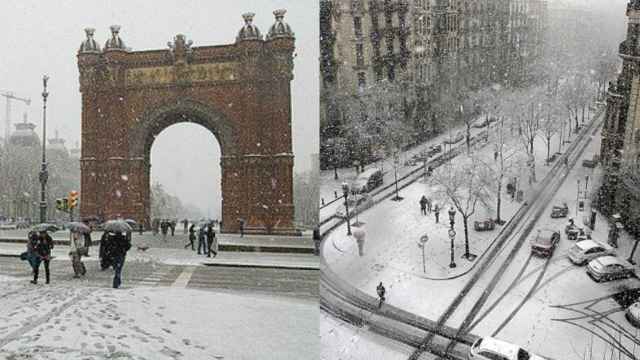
10,96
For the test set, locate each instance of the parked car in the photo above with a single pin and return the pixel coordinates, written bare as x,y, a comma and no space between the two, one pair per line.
560,211
485,225
545,242
488,348
367,181
410,162
436,148
633,314
586,250
357,204
606,268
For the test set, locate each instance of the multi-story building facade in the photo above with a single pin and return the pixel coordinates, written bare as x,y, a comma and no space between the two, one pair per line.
395,58
620,148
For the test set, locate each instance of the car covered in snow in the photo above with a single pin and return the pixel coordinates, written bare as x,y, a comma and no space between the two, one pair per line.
544,242
488,348
607,268
357,204
633,314
367,181
586,250
559,211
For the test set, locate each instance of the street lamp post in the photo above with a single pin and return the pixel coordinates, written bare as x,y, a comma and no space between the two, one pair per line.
452,216
452,236
452,233
43,171
422,244
345,192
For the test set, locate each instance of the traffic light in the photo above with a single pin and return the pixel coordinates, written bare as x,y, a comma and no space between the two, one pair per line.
73,199
62,204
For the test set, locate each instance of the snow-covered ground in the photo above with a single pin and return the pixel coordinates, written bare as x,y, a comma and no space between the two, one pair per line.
64,322
343,341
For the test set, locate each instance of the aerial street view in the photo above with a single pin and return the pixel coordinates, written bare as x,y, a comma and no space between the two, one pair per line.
480,179
159,180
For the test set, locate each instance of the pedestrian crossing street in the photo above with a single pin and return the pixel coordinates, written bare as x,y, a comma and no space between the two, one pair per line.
287,282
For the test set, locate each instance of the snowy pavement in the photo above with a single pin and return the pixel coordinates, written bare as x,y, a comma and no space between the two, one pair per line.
348,342
59,321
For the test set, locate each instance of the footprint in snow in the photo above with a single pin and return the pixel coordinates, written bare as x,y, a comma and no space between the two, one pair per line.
166,330
98,346
186,342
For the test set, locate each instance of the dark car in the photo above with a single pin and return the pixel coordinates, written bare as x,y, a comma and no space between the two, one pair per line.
559,211
486,225
545,242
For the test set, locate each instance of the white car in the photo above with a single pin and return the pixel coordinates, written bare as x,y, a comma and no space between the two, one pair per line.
586,250
607,268
633,314
489,348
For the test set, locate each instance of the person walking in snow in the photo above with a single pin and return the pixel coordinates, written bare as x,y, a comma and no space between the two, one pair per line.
423,205
164,228
212,242
436,210
42,250
201,241
428,206
192,237
119,244
76,250
381,292
185,222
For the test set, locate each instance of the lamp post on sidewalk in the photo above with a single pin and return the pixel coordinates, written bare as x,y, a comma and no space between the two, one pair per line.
345,192
452,236
422,244
43,171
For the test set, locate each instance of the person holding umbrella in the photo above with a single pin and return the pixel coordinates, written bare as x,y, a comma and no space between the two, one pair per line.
42,251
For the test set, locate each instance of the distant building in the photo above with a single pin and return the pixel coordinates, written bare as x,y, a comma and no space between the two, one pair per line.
620,149
395,58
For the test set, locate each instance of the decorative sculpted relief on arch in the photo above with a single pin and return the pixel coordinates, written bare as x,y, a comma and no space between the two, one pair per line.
240,92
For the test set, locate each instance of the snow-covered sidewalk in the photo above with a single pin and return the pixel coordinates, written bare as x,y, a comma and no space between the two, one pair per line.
64,322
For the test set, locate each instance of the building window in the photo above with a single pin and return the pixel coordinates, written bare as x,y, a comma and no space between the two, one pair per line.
359,55
362,81
357,26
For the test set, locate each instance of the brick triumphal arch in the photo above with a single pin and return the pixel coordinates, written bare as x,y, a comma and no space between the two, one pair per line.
240,92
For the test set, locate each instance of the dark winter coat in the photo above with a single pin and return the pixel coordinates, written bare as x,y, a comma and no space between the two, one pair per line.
192,233
118,245
423,202
42,247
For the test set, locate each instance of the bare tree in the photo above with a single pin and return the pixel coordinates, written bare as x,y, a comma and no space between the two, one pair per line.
549,125
464,185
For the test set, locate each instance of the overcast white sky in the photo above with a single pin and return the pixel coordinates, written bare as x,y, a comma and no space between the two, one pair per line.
43,37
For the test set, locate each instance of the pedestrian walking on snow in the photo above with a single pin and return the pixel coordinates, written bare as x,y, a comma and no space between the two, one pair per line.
118,245
381,292
423,205
428,206
42,250
436,210
164,228
76,250
212,242
201,241
192,237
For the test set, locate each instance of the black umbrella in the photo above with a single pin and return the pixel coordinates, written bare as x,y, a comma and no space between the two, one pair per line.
45,227
117,226
79,227
131,222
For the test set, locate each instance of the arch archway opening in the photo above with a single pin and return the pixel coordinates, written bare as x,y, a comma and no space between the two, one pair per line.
185,171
